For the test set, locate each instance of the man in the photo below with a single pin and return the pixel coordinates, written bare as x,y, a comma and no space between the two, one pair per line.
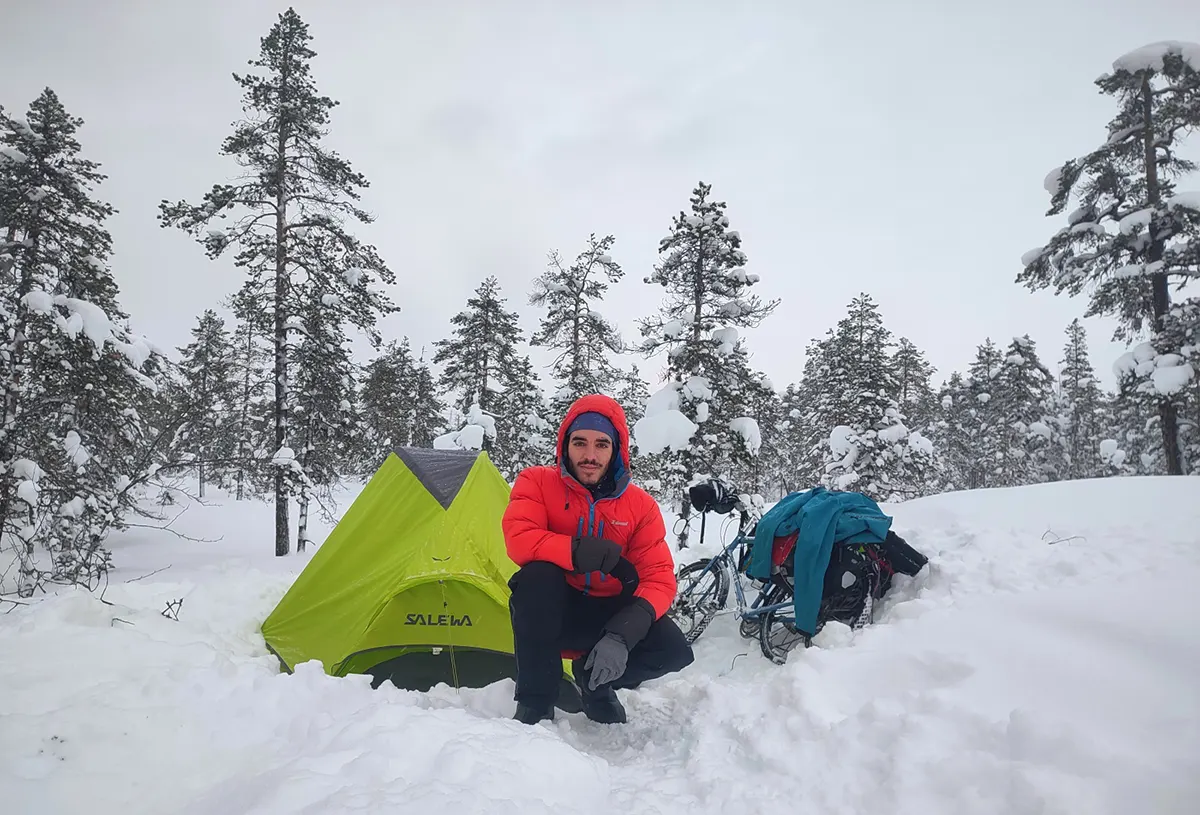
576,529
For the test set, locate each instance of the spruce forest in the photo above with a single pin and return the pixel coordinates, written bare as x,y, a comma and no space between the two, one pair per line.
101,427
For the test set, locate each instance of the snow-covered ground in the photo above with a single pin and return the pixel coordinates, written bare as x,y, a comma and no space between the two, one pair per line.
1014,675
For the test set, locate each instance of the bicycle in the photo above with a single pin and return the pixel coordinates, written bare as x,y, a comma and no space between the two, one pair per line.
694,608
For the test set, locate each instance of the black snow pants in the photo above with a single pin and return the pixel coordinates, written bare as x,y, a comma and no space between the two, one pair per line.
549,617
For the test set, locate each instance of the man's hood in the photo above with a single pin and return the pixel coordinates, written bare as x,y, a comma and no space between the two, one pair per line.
611,409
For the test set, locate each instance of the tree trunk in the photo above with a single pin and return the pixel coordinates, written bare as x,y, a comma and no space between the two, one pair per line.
244,431
1161,299
282,543
685,513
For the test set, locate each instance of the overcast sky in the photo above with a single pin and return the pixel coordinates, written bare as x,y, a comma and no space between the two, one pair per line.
892,148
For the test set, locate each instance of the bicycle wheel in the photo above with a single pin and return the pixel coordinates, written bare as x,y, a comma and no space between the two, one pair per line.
777,634
701,594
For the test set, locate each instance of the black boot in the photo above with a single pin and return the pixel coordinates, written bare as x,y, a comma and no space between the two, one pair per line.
527,714
602,705
599,705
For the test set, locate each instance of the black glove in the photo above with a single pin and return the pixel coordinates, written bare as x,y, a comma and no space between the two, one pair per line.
607,661
592,554
632,623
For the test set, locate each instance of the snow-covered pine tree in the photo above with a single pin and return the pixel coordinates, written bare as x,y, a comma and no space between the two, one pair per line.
1022,402
1148,377
325,407
633,394
428,410
524,437
983,424
1133,237
954,433
253,426
290,208
914,392
72,440
870,449
1079,410
207,434
759,474
707,300
389,385
792,441
572,327
480,351
812,411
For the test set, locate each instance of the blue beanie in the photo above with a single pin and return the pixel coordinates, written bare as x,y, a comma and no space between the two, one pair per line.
593,421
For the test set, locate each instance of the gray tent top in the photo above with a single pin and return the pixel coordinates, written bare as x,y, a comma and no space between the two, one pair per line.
442,472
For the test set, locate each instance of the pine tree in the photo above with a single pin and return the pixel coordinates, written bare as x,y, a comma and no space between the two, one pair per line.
985,436
1127,184
524,436
1149,377
291,206
388,403
812,413
707,301
1021,400
870,449
1079,409
209,389
913,390
572,326
72,441
482,349
633,394
325,406
955,433
251,353
428,421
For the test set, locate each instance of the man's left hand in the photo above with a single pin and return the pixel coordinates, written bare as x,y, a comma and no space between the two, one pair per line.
607,660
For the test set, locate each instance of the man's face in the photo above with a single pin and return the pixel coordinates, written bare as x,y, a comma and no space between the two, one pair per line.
588,453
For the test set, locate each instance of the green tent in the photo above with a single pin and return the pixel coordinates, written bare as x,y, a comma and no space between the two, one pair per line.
412,584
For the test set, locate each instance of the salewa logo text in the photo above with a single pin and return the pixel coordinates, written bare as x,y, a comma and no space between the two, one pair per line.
438,619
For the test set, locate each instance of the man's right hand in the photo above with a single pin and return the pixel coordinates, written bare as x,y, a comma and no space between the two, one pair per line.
592,554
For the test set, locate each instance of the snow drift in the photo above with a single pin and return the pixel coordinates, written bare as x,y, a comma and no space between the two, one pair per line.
1045,662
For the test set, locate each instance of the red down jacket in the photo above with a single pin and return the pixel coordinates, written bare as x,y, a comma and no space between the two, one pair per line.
548,507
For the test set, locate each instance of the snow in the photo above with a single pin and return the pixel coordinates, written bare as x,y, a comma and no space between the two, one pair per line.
748,429
1032,256
1187,200
1053,180
894,434
727,339
697,388
470,436
13,154
1150,57
1135,221
673,329
920,443
663,427
1043,662
95,323
1167,374
27,491
1171,378
39,301
1111,453
73,445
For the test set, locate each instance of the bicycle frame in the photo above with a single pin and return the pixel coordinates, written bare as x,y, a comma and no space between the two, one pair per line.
724,560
